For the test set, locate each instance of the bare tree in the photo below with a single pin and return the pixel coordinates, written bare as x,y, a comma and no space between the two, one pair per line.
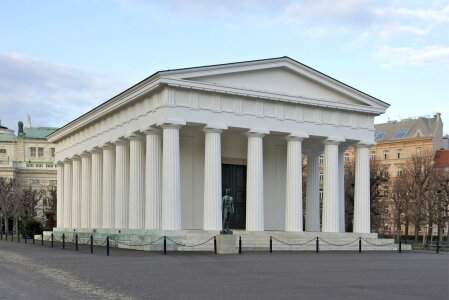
418,170
399,197
7,192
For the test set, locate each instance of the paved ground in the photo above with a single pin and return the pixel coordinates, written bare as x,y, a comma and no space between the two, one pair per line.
35,272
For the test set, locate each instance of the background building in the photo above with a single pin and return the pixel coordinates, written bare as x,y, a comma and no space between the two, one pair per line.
29,159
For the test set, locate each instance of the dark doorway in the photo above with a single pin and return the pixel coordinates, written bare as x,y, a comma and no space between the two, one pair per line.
234,178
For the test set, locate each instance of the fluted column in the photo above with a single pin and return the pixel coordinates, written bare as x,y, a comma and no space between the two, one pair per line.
108,186
60,195
293,196
153,179
313,192
331,207
97,188
136,181
121,183
212,217
254,181
76,192
67,194
341,187
171,178
86,190
362,190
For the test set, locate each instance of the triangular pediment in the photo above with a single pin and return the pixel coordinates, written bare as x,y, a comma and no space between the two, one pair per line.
282,76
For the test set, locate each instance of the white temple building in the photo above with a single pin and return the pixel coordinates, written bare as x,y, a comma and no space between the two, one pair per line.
159,155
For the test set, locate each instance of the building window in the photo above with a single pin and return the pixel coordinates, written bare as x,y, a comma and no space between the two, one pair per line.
35,181
53,182
49,165
346,157
321,194
39,165
419,152
373,155
321,159
321,176
399,172
40,152
385,173
52,152
385,192
386,227
399,154
385,154
30,165
33,151
2,151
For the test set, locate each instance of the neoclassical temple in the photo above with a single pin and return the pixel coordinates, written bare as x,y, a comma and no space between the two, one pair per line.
159,155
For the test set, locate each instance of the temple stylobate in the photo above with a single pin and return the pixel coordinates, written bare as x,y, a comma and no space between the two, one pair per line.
159,155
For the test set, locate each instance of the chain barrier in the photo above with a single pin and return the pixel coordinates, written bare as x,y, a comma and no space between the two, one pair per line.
377,245
292,244
136,245
338,245
190,246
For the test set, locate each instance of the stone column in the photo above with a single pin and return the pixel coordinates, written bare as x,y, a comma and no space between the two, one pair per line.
171,178
212,217
313,192
86,190
97,189
254,181
293,196
67,194
60,195
108,186
136,181
341,187
362,190
76,192
331,207
121,183
153,179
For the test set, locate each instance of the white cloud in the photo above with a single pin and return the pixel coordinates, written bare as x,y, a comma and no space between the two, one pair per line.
53,94
434,55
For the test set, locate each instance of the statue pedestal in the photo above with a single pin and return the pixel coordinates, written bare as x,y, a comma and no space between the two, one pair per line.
226,244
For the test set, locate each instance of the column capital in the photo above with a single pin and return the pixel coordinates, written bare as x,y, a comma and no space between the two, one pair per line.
152,131
297,136
257,132
120,141
171,123
217,128
59,163
85,154
136,135
96,150
107,146
333,140
76,157
364,144
67,161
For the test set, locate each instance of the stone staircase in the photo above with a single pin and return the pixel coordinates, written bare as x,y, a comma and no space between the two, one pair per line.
201,240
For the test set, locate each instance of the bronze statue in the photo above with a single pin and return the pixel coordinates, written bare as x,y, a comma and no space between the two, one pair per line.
227,207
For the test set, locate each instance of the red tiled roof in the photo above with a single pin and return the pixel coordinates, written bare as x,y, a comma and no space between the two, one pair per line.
442,159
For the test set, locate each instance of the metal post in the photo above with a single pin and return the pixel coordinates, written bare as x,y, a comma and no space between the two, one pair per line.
52,239
215,244
271,244
6,235
76,242
360,244
107,246
26,237
438,246
63,241
42,238
91,244
317,250
18,234
240,245
1,232
33,239
165,244
400,246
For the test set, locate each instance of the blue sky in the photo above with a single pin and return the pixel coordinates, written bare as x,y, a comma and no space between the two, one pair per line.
59,59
